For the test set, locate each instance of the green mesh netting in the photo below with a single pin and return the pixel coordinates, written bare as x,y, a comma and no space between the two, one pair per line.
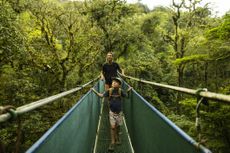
152,132
75,132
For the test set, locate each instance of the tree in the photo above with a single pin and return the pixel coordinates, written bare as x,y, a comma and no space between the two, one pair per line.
63,29
183,24
107,15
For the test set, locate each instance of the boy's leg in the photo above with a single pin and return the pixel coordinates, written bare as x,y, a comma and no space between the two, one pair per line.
116,136
113,134
118,129
118,124
112,130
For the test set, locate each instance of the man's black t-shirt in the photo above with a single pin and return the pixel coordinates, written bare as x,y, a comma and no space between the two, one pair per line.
109,71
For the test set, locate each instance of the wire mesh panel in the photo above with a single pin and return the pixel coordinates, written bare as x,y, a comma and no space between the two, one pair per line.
152,132
75,132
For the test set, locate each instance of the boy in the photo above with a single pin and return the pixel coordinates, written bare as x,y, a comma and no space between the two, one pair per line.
115,103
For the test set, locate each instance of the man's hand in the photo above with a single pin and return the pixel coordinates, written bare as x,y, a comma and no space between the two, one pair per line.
102,78
123,72
5,109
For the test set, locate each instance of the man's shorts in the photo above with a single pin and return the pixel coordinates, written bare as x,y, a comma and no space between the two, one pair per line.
115,119
108,81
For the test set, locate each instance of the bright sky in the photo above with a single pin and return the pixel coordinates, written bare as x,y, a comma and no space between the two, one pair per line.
218,6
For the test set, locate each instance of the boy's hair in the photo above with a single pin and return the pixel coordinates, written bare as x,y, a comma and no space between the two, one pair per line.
117,79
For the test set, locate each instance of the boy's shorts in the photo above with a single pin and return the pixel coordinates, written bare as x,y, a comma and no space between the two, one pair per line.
115,119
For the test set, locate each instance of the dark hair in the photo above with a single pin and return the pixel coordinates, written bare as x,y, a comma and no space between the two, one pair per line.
117,79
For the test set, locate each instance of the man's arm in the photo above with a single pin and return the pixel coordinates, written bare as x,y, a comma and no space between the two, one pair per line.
102,76
120,70
102,72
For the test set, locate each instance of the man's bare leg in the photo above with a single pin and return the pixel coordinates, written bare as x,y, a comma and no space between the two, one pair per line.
107,86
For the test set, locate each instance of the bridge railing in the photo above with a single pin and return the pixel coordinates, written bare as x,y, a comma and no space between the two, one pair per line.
200,92
29,107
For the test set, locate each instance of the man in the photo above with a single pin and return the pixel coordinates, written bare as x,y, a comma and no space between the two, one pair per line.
109,70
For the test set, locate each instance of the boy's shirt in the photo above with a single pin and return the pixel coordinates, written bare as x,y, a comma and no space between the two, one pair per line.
115,103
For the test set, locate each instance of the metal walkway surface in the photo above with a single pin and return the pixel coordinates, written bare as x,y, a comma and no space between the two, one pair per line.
104,136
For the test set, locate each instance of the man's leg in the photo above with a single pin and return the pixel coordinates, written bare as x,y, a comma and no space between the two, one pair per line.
107,86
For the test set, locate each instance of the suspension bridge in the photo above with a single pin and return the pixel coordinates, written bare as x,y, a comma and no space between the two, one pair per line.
85,127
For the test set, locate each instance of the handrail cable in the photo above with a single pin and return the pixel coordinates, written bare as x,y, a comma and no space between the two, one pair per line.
206,94
29,107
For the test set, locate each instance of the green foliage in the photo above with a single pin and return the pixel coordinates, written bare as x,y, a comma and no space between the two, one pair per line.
187,121
184,123
216,118
222,31
11,40
191,59
48,46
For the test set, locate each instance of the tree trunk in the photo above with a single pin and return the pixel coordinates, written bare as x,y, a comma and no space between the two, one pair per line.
206,74
216,79
18,141
2,147
180,71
